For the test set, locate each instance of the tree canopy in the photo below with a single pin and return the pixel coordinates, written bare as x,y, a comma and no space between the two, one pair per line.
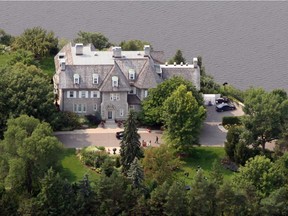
152,106
38,41
5,39
98,40
30,149
133,45
178,58
183,118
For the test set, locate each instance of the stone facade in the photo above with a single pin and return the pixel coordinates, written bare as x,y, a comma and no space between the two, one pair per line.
111,82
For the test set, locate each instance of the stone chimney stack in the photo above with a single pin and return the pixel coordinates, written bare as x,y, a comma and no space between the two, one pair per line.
147,50
79,48
117,52
195,62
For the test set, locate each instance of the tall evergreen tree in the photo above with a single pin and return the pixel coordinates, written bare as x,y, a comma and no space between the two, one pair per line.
136,174
130,144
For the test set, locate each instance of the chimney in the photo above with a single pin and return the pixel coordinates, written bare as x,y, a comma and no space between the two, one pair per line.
195,62
147,50
62,64
174,63
79,48
116,52
181,63
166,63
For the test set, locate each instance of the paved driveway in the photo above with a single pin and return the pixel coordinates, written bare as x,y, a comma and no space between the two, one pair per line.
211,135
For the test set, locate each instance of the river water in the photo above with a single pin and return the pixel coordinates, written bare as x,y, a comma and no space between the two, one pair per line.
242,43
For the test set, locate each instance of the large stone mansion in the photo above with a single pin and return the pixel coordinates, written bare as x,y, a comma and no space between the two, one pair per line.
112,82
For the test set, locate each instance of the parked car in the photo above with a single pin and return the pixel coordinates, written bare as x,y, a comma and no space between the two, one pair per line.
222,100
225,107
119,135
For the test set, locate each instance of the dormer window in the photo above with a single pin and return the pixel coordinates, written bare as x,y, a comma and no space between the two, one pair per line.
131,74
95,78
76,79
115,81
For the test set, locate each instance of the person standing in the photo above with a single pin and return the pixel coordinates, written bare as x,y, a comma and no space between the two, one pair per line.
156,141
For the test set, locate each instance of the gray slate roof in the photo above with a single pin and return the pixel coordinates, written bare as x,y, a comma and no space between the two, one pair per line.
133,100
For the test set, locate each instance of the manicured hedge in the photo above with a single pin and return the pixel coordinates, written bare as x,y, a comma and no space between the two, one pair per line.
231,120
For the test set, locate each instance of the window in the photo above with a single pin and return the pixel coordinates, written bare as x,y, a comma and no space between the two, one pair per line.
95,94
95,107
121,112
145,93
131,74
114,97
95,78
79,108
133,90
115,81
71,94
83,94
76,79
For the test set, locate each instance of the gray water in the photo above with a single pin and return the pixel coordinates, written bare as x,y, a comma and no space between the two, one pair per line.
242,43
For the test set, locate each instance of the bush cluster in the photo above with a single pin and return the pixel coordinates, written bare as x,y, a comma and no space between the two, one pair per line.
231,120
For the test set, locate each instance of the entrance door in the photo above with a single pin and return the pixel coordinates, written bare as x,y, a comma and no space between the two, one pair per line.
109,114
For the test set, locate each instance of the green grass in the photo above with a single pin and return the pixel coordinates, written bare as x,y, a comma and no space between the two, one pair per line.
73,169
203,157
47,65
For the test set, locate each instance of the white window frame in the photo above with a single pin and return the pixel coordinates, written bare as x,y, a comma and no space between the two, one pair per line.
114,97
95,106
131,74
95,94
121,112
115,81
76,78
80,108
83,94
95,78
69,94
145,93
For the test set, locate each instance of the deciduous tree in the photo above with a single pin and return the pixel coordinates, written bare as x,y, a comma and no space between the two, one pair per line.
133,45
98,40
183,118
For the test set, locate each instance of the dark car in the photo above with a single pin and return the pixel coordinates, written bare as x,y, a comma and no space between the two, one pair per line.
225,107
222,100
119,135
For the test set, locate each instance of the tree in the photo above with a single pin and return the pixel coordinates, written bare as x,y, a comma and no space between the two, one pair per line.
32,149
176,202
130,146
23,56
183,118
229,202
160,164
233,138
201,199
261,174
153,105
136,174
5,38
178,58
264,120
38,41
216,175
98,40
25,90
133,45
56,196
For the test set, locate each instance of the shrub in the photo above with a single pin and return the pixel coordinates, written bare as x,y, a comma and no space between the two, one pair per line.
94,119
231,120
107,166
93,158
65,120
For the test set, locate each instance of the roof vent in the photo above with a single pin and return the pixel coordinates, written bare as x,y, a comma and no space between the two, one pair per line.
186,63
79,48
166,63
181,63
174,63
147,50
116,52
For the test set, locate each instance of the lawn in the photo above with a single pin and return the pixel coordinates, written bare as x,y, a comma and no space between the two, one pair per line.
203,157
47,65
73,169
